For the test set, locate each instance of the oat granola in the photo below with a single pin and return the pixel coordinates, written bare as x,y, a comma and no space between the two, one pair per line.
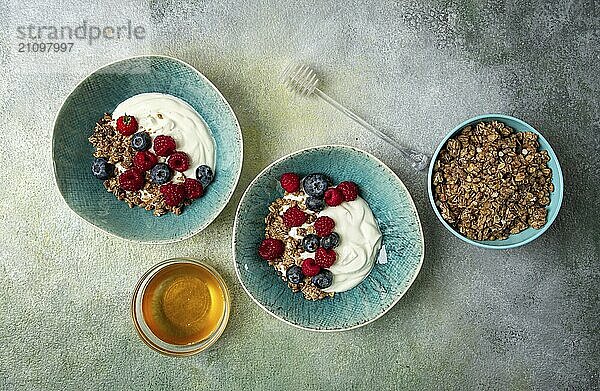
490,182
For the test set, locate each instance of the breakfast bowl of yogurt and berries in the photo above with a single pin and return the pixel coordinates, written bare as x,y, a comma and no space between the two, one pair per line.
327,239
147,149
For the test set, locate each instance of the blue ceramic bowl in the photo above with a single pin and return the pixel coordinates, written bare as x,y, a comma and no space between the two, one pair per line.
384,286
556,196
100,92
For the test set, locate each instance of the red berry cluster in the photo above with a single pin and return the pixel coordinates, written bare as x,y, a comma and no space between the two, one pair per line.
324,226
345,191
334,196
294,217
325,256
132,180
165,146
349,190
127,125
271,249
310,267
178,161
143,161
175,193
290,182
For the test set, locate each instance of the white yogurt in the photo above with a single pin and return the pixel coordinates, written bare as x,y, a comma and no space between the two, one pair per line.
163,114
360,241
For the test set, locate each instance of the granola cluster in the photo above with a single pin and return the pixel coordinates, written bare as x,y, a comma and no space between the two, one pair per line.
117,149
490,181
276,229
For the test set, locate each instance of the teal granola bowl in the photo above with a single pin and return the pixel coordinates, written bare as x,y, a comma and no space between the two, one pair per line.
556,196
100,93
391,275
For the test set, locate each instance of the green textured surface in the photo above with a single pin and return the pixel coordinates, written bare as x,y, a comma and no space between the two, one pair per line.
100,93
388,280
473,319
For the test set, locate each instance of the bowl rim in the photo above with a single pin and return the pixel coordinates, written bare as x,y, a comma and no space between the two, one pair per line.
231,191
291,155
552,154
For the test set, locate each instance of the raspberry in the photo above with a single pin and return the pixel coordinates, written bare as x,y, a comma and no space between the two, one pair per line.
193,189
271,249
173,193
333,197
290,182
131,180
310,268
179,161
144,160
127,125
324,226
349,190
164,145
324,258
294,217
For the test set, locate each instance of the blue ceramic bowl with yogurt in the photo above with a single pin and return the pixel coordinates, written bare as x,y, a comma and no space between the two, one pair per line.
394,271
101,92
529,234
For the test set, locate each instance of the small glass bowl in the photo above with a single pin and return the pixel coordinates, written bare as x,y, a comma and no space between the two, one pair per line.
146,333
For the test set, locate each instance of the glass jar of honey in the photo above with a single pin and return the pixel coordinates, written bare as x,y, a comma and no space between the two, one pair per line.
180,306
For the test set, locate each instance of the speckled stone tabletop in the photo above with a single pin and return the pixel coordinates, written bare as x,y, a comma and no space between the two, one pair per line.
527,318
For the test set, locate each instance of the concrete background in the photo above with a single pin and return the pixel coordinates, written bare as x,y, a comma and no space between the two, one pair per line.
474,319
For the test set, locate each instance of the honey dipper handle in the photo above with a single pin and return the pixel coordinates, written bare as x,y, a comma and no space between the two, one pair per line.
416,159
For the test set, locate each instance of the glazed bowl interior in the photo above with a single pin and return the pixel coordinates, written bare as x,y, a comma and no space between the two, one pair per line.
394,211
100,93
556,196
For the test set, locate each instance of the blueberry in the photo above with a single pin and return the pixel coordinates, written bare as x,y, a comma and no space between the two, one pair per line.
330,241
294,274
102,169
315,185
160,174
323,280
204,175
310,243
140,141
315,204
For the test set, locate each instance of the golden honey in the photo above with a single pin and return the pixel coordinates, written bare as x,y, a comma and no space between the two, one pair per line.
183,304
